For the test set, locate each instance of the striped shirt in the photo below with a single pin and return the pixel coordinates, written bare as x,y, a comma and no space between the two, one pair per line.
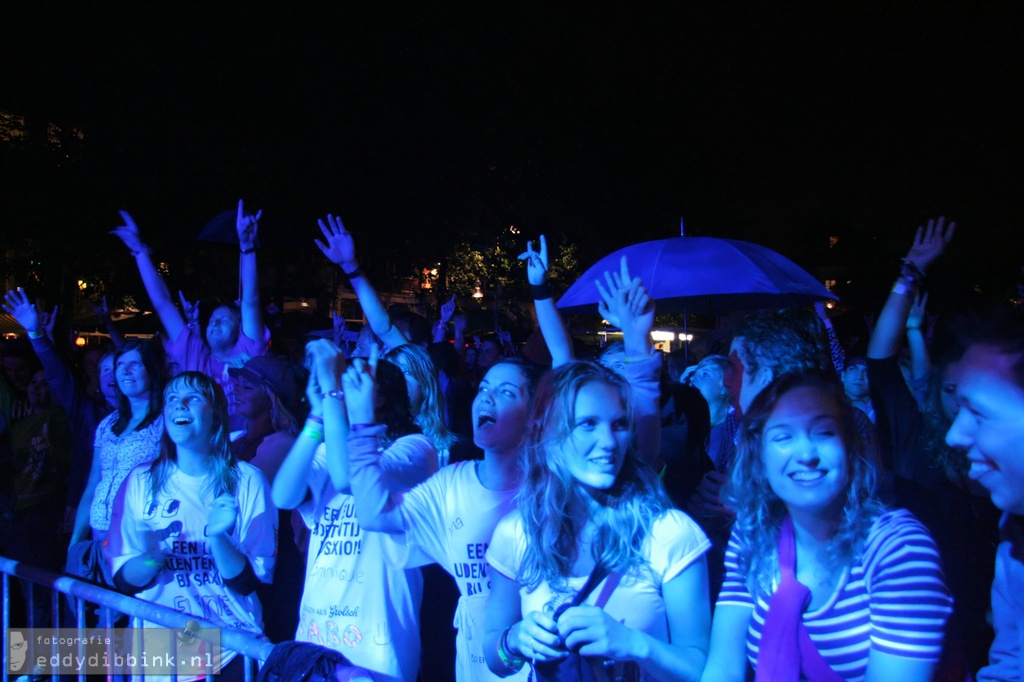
894,600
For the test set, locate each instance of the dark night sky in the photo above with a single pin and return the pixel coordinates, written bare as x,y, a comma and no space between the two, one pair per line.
422,123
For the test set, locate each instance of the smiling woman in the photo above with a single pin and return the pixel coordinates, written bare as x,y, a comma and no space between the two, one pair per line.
592,515
821,580
195,529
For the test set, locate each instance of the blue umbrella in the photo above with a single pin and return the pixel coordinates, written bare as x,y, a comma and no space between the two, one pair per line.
703,275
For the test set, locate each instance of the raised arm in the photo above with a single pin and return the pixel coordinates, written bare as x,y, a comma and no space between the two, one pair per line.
340,249
929,243
552,326
441,326
102,311
247,225
292,480
156,288
920,360
626,304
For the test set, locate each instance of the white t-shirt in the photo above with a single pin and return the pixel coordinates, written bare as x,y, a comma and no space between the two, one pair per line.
189,580
449,520
353,600
674,544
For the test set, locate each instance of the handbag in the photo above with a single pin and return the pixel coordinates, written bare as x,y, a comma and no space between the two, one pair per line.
577,668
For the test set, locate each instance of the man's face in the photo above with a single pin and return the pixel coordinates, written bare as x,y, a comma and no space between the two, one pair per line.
855,382
990,423
490,353
743,384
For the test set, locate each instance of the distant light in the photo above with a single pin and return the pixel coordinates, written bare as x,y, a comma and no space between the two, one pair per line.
686,337
79,342
82,285
303,303
513,229
830,304
663,336
477,294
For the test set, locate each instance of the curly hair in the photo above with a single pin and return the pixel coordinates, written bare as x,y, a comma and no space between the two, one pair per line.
759,511
152,356
784,341
223,477
550,495
430,413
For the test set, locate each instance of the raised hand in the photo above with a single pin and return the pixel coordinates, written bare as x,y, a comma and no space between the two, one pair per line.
536,262
930,242
190,311
447,310
247,224
17,305
916,316
222,516
339,248
328,363
100,307
49,321
360,383
624,299
338,326
129,234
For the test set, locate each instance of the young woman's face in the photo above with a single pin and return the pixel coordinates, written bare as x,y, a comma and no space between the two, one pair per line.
596,447
251,400
132,377
501,408
412,385
188,416
804,454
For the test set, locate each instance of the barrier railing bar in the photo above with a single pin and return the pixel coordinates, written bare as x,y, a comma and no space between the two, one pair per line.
241,642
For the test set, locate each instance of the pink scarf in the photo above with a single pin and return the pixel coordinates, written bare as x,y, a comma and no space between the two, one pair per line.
786,648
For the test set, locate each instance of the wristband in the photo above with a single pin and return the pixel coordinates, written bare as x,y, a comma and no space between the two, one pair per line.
153,563
312,434
337,394
37,333
143,250
901,287
358,272
314,418
511,661
360,427
541,292
249,250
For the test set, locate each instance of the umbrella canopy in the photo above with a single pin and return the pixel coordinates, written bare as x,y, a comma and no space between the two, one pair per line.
703,276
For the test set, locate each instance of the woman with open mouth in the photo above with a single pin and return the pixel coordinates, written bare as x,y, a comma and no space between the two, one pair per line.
822,581
594,568
195,530
449,518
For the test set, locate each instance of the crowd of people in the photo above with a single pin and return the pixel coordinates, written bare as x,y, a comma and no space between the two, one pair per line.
785,509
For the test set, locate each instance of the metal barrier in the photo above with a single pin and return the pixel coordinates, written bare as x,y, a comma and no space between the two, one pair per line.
242,642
